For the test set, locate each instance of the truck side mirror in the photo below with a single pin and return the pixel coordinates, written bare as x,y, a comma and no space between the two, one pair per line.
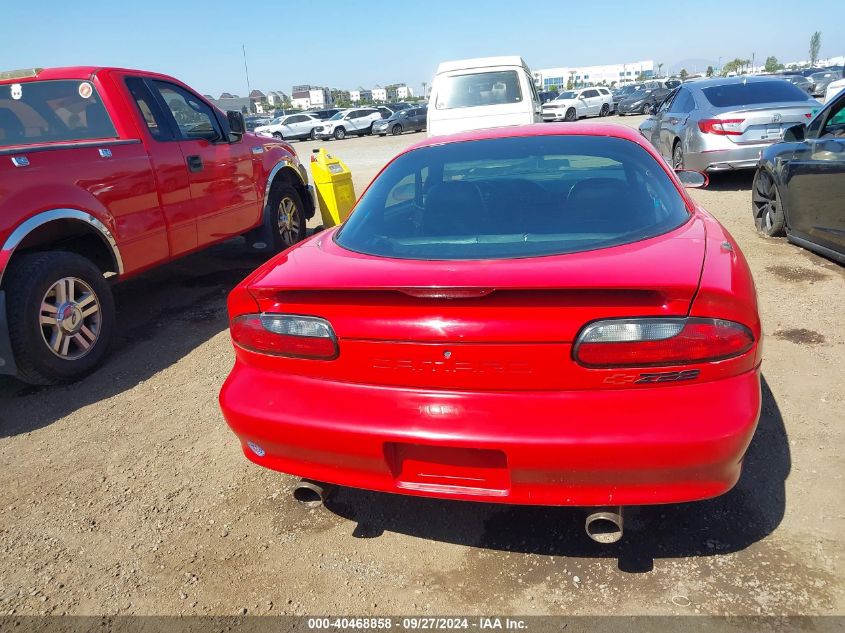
795,134
237,125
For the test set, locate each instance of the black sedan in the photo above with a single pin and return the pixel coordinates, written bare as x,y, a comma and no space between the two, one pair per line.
643,101
800,184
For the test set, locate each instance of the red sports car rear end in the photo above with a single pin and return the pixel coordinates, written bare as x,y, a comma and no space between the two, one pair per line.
535,315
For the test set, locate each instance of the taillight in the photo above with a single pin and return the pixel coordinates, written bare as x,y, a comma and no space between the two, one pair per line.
722,127
653,342
291,335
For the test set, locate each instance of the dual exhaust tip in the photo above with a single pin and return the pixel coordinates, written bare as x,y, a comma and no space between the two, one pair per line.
605,526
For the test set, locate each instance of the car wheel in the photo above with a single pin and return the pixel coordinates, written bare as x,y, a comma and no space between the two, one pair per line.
278,135
340,133
677,156
605,110
646,108
313,135
285,217
396,130
570,115
61,316
766,205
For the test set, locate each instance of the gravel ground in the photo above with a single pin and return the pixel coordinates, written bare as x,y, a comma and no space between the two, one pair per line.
127,494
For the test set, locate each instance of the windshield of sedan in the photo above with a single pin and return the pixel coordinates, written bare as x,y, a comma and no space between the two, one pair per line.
514,197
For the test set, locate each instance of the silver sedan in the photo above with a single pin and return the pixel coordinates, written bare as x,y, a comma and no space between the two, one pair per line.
723,124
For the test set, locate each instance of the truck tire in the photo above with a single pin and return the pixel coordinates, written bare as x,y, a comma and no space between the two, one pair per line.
340,133
285,217
61,316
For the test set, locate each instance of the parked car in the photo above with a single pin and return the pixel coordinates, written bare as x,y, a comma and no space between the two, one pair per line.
821,80
801,81
622,93
355,121
114,171
494,278
643,101
253,122
291,127
411,119
547,95
722,124
482,93
799,185
834,88
324,115
578,104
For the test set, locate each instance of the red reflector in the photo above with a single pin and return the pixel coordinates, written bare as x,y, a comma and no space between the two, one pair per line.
654,342
285,335
722,127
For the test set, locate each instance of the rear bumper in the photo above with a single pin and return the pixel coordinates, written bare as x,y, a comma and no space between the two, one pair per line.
724,158
7,359
584,448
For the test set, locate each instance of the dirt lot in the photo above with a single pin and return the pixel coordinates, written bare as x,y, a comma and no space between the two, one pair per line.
126,493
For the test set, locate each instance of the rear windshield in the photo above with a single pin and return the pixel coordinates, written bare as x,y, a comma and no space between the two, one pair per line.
48,111
753,93
514,197
479,89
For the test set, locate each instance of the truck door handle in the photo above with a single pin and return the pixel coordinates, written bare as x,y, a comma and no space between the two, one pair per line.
195,163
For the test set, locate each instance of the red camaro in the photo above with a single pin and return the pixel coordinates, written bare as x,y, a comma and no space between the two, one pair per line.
531,315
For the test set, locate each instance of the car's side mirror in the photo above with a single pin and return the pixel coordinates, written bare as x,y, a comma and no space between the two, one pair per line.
692,179
237,125
795,134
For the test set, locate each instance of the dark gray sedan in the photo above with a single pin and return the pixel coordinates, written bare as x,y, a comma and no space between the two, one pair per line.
723,124
800,184
402,121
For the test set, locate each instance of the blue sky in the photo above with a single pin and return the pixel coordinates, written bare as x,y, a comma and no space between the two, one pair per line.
388,42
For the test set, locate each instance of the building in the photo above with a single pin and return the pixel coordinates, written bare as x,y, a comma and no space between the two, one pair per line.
577,76
404,92
383,95
357,96
276,98
306,97
235,103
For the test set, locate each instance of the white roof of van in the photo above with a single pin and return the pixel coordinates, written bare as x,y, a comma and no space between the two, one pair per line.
481,62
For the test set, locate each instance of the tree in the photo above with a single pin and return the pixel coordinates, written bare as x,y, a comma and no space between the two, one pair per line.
772,64
659,67
683,74
424,85
552,88
815,45
744,64
709,72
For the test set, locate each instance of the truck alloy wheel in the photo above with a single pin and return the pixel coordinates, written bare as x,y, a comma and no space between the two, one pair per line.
605,110
340,133
570,115
61,316
285,218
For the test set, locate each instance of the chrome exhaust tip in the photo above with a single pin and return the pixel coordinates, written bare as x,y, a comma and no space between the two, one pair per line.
312,494
605,526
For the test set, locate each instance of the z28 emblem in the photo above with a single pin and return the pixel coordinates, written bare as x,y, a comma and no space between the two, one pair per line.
667,376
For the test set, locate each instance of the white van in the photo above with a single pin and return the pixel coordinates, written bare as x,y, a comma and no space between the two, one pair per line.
474,94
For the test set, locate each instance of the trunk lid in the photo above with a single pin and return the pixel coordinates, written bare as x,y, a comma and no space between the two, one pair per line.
766,124
493,325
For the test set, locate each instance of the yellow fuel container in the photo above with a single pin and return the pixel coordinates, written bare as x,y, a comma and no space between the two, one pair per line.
333,182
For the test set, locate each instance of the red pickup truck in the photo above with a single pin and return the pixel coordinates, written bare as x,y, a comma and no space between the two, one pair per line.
107,172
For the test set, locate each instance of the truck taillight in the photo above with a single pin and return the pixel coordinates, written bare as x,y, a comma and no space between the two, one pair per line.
656,342
290,335
722,127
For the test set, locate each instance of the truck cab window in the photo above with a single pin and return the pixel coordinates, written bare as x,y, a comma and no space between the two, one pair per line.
193,117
